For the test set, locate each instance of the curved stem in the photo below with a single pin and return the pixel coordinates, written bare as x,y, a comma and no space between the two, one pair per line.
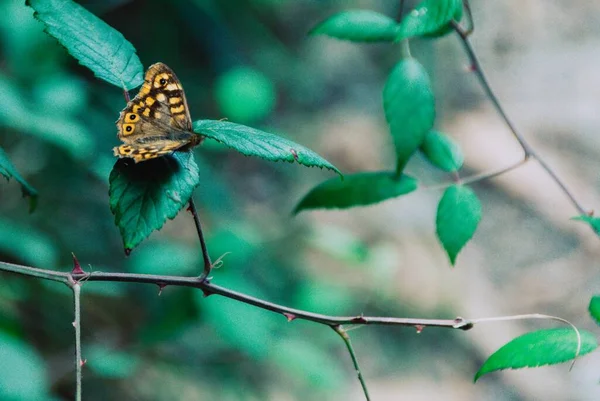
529,151
469,18
344,335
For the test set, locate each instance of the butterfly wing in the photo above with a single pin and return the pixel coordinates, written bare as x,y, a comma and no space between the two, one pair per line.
157,121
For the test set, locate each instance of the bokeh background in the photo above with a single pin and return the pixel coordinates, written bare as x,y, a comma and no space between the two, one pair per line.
252,62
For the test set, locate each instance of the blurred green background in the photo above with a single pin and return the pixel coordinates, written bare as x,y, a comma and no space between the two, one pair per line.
251,61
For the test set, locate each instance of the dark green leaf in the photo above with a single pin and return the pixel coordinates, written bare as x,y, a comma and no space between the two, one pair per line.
594,308
144,195
356,190
8,170
592,221
23,373
409,107
253,142
458,215
431,18
538,348
358,26
442,151
90,40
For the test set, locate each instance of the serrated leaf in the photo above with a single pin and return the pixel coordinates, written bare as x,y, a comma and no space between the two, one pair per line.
253,142
458,215
8,170
358,26
430,18
592,221
356,190
538,348
409,107
91,41
144,195
442,151
594,308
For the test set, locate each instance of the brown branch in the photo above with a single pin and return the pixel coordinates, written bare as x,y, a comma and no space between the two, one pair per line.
527,148
210,289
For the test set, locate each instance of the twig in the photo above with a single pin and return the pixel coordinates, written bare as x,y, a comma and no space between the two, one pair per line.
469,18
209,289
529,151
479,177
77,324
205,255
400,11
344,335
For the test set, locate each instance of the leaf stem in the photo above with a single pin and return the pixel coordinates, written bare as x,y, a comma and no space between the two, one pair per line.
344,335
205,255
527,148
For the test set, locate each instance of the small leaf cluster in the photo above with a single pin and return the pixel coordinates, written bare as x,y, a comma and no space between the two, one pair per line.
409,107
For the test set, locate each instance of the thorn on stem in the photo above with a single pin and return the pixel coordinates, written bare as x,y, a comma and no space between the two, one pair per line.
74,323
419,328
295,154
77,270
127,251
359,319
289,316
471,68
82,362
206,293
161,286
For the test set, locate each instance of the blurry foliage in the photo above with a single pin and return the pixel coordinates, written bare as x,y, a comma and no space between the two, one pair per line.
240,60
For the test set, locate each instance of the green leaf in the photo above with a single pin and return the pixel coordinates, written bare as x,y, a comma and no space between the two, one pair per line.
253,142
409,107
442,151
358,26
592,221
594,308
430,18
356,190
90,40
23,373
144,195
8,170
458,215
538,348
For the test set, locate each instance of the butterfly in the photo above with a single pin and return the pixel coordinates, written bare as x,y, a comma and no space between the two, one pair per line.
157,121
